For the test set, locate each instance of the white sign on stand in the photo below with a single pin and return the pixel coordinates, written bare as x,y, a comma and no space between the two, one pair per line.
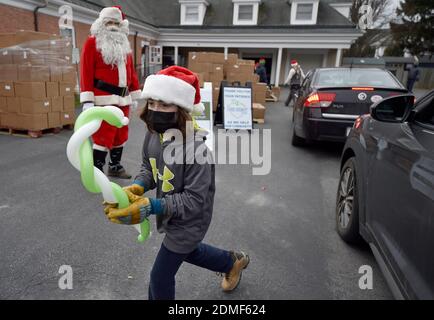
237,108
205,120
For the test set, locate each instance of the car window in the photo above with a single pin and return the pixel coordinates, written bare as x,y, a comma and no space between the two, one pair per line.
355,77
426,114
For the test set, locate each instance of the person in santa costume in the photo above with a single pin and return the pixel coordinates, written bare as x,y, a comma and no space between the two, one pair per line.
108,78
185,186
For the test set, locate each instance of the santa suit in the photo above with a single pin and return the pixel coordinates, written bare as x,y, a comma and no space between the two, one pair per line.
121,75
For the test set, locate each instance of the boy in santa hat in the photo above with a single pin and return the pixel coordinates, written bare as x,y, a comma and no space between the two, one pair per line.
185,188
295,78
108,78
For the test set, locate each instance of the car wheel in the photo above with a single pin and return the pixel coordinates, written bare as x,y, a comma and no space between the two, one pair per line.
296,141
347,206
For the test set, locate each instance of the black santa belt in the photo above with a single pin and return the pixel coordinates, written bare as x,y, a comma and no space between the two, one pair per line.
107,87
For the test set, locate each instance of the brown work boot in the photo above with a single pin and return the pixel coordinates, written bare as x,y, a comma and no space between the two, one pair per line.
233,277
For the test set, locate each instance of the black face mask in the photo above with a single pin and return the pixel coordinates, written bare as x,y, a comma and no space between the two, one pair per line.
162,121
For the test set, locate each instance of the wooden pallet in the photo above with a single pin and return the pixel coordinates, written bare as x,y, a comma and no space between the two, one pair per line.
271,98
259,121
33,133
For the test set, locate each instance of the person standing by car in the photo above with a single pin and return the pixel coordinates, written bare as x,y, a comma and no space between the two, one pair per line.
294,79
413,74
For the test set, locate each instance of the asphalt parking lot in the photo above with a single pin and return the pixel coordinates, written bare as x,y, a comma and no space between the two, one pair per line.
284,220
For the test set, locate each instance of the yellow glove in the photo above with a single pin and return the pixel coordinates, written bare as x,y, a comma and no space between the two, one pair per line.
136,189
138,210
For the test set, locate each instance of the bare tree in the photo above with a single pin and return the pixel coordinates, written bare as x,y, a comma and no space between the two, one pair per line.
381,16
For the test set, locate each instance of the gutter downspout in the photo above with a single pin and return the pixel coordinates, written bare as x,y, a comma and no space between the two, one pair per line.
35,14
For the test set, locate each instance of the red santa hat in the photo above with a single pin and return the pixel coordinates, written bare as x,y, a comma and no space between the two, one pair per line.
115,14
175,85
294,63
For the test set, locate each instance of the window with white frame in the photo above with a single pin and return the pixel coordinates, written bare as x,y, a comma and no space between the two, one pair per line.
304,11
193,11
246,12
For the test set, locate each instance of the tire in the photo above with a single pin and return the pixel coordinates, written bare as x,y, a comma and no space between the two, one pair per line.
297,141
347,204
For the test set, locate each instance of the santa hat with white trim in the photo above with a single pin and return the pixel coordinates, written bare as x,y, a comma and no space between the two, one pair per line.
115,14
294,63
176,85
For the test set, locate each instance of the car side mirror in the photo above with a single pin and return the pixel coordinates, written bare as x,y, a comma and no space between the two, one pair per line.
395,109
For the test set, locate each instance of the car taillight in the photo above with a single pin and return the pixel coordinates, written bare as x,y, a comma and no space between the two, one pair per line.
320,100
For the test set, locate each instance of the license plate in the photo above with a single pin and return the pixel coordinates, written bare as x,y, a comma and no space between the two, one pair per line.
348,131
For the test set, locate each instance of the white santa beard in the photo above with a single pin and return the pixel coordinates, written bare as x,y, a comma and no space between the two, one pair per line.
114,46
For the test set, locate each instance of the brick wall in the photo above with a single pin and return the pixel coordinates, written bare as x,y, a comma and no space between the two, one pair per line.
15,19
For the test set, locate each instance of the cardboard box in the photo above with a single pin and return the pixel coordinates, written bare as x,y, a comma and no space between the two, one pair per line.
32,121
56,74
243,62
54,120
258,111
8,72
6,56
276,92
32,90
7,89
67,117
68,103
56,104
13,105
203,67
232,58
200,77
33,73
27,57
216,57
52,89
69,74
9,120
26,36
7,40
259,92
32,106
3,105
198,57
66,89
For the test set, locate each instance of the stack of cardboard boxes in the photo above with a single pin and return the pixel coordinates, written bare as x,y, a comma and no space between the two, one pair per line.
213,67
37,81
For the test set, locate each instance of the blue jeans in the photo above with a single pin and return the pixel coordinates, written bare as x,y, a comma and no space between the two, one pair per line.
167,263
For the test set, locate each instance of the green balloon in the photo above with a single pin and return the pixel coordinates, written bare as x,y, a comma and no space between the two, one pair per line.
87,167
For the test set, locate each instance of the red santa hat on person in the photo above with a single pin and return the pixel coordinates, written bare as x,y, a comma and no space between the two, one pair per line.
175,85
114,14
294,63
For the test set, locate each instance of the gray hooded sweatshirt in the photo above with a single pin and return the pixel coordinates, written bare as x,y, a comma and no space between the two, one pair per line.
186,186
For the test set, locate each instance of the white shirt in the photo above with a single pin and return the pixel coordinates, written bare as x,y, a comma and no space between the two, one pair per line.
292,73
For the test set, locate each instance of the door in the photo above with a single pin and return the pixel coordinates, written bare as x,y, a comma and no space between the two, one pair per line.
400,198
305,90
